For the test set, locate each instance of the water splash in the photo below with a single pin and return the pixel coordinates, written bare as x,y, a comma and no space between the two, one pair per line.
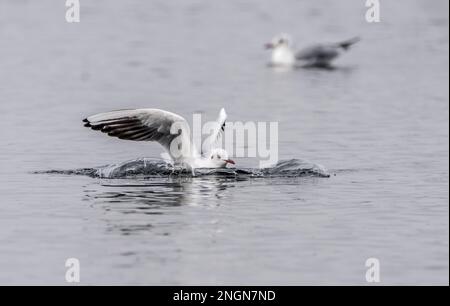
148,167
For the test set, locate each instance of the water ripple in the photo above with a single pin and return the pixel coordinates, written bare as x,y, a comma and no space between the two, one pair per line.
147,167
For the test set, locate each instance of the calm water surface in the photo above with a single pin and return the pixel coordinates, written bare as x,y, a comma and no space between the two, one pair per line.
379,123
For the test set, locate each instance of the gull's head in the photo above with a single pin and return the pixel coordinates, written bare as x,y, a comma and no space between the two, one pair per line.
219,158
281,40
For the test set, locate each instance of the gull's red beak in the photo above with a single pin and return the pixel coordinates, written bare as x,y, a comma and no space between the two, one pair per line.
268,46
230,161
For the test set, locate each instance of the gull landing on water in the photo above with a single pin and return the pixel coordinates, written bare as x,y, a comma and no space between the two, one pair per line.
321,55
166,128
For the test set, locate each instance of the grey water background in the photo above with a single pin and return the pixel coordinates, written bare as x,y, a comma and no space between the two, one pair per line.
379,123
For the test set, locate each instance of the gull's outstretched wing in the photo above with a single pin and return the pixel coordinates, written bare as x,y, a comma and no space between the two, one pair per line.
139,125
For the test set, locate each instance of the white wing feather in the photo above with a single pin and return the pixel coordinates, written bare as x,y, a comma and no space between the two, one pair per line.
141,125
213,140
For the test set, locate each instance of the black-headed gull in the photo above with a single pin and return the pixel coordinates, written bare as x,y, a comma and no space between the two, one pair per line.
321,55
166,128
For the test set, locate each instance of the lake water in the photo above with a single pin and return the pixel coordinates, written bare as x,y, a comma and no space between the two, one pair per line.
378,123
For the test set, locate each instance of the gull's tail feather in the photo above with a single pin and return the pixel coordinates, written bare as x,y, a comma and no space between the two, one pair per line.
348,43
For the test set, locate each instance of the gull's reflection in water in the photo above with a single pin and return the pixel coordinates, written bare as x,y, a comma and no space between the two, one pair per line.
140,205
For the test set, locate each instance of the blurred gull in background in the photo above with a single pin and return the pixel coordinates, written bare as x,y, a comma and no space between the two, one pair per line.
320,55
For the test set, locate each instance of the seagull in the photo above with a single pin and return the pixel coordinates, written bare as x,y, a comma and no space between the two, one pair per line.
166,128
320,55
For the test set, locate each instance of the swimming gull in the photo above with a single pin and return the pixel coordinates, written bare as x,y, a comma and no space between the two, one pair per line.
320,55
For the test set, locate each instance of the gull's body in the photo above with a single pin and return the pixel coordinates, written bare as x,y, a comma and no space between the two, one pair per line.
283,56
321,55
166,128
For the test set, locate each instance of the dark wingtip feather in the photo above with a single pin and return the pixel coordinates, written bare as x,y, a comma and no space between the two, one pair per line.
96,127
87,123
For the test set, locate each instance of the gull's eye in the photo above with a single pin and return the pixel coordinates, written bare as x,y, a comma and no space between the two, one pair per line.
212,156
219,157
